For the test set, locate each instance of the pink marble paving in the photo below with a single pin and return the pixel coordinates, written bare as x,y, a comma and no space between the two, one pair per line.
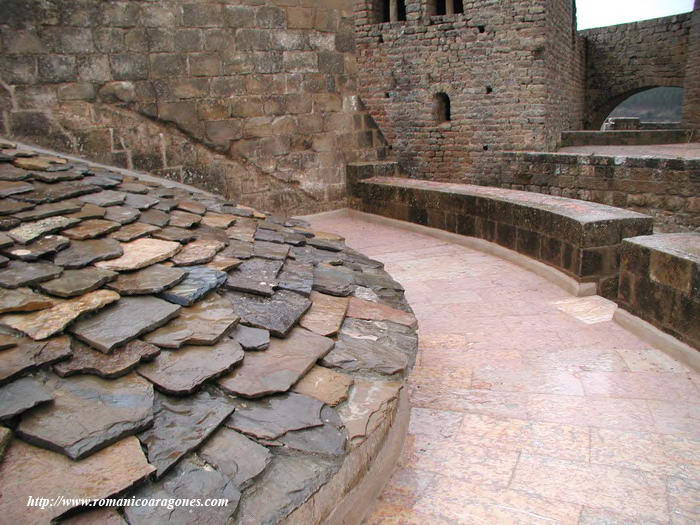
689,150
524,413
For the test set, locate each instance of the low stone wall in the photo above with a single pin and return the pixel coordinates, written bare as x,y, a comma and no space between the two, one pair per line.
580,239
666,189
660,282
626,137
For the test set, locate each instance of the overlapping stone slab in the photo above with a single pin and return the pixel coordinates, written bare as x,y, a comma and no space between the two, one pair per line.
141,253
280,366
333,280
367,406
28,471
256,275
82,253
198,252
203,323
239,458
77,282
42,247
86,360
181,425
23,300
19,273
50,321
27,355
251,338
374,311
133,231
325,384
183,371
124,321
326,314
22,395
278,313
151,280
88,413
199,281
329,439
296,277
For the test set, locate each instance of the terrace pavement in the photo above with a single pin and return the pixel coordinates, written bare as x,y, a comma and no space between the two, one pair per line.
529,405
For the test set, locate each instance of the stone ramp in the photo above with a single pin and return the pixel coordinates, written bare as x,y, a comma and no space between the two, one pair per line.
529,405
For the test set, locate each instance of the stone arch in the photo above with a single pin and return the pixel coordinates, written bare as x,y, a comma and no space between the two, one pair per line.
596,114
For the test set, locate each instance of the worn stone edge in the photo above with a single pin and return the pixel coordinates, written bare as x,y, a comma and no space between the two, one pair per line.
351,493
664,342
551,274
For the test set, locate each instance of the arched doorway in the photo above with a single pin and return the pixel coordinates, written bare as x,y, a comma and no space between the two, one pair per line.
648,103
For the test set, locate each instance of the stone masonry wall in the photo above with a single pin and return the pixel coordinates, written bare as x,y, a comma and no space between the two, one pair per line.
512,71
666,189
691,107
628,58
255,98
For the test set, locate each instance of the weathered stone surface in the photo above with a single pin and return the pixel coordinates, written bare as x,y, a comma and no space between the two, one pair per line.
121,361
7,223
151,280
273,416
82,253
28,470
182,219
172,233
31,163
5,241
287,483
251,338
27,355
77,282
105,198
355,354
155,218
326,314
56,176
224,264
90,229
256,275
399,336
361,309
56,192
234,455
326,244
279,367
88,413
23,300
5,438
296,277
133,231
89,211
93,517
270,250
244,230
123,215
278,313
199,281
181,425
198,252
10,206
141,253
52,209
367,407
140,202
21,395
238,249
185,370
282,236
333,280
47,245
45,323
327,440
19,273
324,384
203,323
191,206
190,479
8,188
134,187
218,220
30,231
377,280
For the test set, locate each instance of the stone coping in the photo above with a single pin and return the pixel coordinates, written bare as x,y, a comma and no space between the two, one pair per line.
594,159
660,282
625,137
190,347
580,238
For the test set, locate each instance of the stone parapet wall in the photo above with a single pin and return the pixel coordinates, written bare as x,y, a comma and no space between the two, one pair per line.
624,59
268,87
660,282
627,138
667,189
580,239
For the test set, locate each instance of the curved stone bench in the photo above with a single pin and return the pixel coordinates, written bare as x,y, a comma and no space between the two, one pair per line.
581,239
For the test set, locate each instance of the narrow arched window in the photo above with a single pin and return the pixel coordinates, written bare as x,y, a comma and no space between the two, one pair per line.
448,7
442,110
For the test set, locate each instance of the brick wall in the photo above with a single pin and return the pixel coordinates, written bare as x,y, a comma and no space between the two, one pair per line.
666,189
501,63
263,89
628,58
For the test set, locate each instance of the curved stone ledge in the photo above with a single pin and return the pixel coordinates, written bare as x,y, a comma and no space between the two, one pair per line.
579,238
228,352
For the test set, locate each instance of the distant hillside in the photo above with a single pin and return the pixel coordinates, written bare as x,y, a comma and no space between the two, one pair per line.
661,104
